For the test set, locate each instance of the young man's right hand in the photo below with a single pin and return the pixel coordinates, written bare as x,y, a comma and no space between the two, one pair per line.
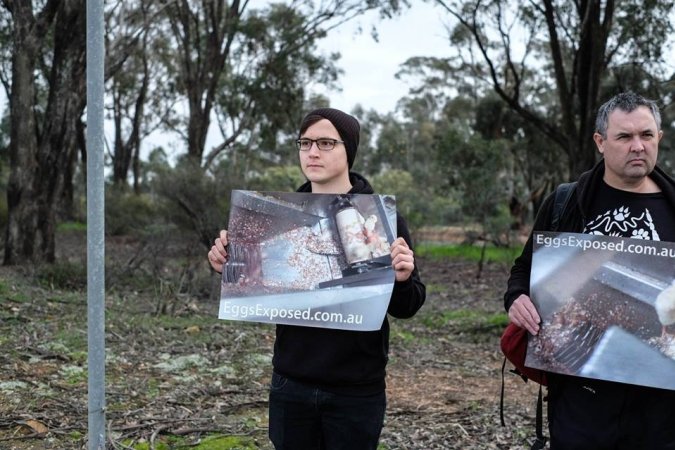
218,253
523,313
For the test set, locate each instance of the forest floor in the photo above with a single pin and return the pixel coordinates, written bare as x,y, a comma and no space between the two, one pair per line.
177,377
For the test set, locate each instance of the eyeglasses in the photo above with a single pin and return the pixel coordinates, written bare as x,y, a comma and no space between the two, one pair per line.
323,144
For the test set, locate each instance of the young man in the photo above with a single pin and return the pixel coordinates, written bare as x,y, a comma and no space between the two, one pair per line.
588,413
328,386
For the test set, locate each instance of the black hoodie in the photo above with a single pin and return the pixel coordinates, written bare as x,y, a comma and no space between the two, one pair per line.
572,220
342,361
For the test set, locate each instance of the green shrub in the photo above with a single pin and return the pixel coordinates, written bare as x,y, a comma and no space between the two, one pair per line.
194,200
127,212
283,179
63,275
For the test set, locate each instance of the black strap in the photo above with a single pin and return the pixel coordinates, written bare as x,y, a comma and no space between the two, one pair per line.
540,442
501,397
563,193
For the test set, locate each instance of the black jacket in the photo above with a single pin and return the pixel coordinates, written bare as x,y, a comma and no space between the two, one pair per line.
572,220
594,413
342,361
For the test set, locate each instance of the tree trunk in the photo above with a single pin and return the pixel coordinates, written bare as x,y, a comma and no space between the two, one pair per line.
121,151
205,43
591,62
65,105
20,238
40,155
67,209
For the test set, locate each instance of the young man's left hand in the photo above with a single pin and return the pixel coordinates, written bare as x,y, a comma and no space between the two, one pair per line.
402,259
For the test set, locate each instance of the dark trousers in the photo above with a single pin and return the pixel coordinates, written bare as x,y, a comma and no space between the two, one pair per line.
586,414
307,418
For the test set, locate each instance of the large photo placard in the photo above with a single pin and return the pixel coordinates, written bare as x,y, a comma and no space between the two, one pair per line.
607,306
318,260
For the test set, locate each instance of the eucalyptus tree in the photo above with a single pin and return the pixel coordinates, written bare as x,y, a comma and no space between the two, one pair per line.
262,96
399,139
4,168
249,68
141,92
129,91
477,168
42,69
242,76
525,51
239,74
46,84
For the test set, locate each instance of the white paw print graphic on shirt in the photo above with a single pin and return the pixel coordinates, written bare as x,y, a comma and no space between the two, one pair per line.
621,214
621,222
640,234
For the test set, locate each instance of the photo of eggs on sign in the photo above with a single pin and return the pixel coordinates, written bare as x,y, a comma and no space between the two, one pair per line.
319,260
607,308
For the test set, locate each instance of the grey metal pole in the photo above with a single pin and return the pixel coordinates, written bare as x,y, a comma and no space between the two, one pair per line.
95,225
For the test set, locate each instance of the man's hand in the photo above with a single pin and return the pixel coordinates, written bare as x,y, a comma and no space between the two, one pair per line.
523,313
402,259
218,254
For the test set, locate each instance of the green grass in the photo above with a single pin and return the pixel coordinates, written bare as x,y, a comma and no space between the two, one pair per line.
226,443
153,388
468,325
63,275
70,338
433,288
208,443
466,319
73,374
71,226
15,294
468,252
403,335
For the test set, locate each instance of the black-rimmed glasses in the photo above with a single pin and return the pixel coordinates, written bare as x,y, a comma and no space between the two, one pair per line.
323,144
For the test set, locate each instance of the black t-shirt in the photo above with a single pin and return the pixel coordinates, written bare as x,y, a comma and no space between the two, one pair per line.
628,214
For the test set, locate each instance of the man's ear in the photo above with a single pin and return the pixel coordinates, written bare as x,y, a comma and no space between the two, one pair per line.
599,141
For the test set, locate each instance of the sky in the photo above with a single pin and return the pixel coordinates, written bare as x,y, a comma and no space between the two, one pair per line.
369,66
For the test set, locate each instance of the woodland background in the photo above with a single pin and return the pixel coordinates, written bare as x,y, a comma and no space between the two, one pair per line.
483,135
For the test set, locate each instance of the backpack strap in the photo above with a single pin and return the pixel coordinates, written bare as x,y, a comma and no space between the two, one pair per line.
563,193
501,397
540,442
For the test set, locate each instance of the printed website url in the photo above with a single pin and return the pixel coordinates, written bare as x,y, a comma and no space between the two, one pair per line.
242,312
589,244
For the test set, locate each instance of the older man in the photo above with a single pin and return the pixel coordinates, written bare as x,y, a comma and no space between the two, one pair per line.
595,414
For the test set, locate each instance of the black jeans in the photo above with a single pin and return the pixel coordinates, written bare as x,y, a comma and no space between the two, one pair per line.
307,418
589,414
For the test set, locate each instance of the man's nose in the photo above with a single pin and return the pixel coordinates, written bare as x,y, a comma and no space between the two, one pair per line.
636,144
314,149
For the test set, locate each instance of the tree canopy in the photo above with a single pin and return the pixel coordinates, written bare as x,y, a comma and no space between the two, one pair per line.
484,133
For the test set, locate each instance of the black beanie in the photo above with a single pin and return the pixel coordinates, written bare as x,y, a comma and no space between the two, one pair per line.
347,126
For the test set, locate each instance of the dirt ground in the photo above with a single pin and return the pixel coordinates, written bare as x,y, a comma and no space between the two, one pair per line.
177,377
